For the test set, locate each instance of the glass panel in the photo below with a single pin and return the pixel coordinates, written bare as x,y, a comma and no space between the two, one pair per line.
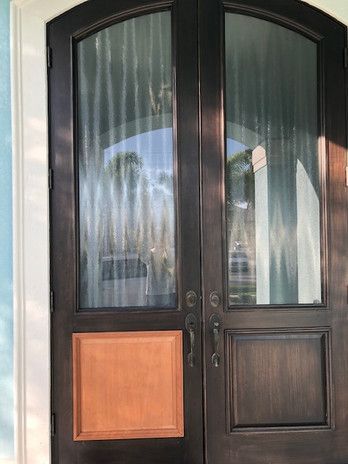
125,151
272,164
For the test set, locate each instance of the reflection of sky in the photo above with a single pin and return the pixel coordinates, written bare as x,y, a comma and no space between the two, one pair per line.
233,147
155,148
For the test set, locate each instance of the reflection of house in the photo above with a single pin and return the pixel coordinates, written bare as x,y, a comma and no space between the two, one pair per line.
259,158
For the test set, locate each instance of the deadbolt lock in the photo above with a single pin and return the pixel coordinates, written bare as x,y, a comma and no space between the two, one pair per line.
191,299
214,299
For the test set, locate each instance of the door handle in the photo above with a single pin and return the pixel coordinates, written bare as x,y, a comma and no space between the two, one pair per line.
215,326
191,326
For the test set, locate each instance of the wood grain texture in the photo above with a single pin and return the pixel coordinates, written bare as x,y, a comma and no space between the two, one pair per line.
127,385
64,230
305,444
278,379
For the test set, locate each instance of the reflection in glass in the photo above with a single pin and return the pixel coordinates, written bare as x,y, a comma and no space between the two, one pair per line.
272,168
125,151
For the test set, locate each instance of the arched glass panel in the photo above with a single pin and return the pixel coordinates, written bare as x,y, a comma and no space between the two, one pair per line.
125,153
272,164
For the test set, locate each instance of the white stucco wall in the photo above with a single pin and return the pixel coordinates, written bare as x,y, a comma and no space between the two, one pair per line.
336,8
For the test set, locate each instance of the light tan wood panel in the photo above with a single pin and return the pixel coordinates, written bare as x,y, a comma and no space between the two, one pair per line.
127,385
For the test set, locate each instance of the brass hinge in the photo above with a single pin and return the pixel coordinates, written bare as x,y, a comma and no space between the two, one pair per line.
52,301
53,424
50,179
49,57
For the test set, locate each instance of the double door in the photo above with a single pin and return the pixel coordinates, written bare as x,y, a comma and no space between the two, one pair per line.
198,233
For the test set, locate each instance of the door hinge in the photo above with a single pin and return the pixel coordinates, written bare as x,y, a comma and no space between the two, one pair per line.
52,301
346,176
50,179
49,57
53,424
345,59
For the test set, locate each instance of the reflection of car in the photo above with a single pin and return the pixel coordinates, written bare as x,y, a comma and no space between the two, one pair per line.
238,261
123,267
124,280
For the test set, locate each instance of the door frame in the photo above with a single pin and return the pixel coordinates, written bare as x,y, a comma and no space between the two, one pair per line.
31,231
31,223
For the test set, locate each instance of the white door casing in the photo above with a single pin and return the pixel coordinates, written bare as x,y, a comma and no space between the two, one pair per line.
31,226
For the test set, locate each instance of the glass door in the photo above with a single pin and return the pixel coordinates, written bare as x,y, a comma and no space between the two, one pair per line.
198,233
274,233
125,262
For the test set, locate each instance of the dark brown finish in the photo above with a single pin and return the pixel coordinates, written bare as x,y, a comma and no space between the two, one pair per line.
84,19
318,444
296,356
278,379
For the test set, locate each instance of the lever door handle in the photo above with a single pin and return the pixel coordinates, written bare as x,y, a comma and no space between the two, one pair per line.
215,327
191,326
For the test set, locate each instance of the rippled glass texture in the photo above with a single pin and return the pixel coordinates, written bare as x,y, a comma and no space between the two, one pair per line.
272,164
125,154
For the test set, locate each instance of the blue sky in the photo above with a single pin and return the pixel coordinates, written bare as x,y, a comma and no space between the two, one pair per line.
234,147
156,149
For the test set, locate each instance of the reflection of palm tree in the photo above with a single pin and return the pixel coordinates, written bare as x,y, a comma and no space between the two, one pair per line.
240,197
140,219
165,179
165,233
240,179
124,163
161,102
124,170
144,218
240,209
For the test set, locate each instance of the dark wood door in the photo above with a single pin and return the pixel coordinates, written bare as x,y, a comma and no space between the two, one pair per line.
275,287
125,246
198,145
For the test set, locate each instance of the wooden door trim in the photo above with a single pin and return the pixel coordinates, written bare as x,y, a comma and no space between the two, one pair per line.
133,12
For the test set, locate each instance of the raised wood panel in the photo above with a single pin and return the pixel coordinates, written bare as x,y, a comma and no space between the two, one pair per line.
127,385
278,379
